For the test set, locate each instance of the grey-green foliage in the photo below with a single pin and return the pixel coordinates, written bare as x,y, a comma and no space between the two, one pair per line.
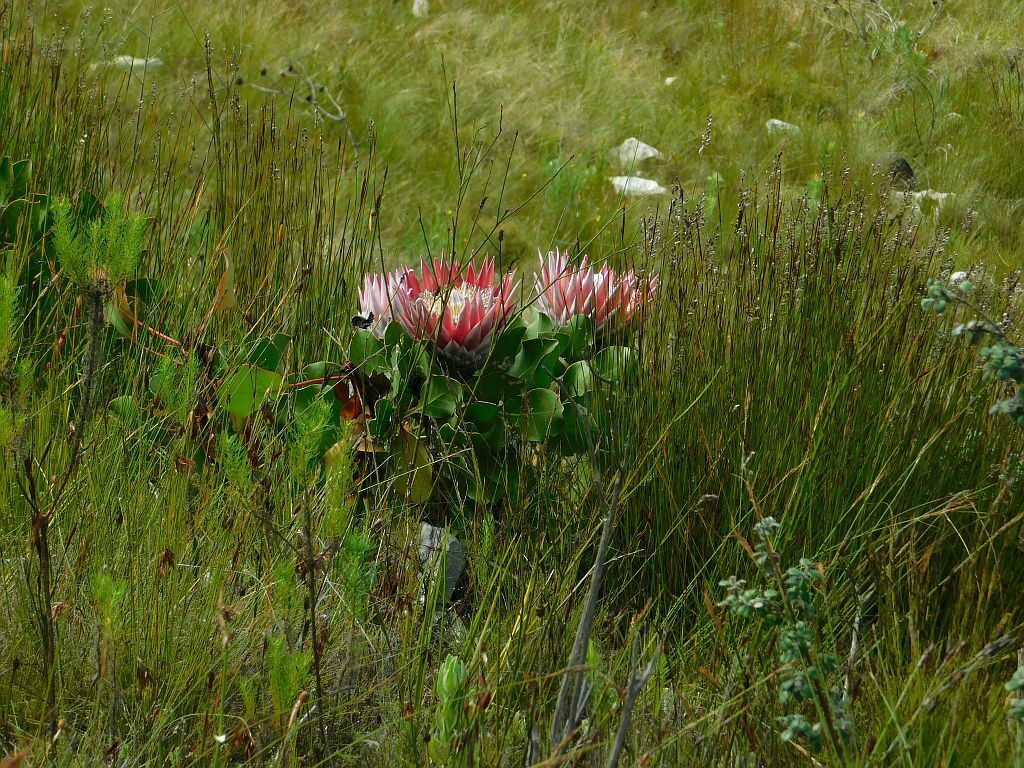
1004,360
788,604
1016,686
102,253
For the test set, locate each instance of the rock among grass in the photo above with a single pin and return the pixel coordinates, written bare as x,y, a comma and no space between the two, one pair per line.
923,202
436,549
897,170
633,151
781,129
131,62
635,186
420,8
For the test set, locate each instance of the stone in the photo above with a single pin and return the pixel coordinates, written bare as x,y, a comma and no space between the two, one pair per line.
436,547
923,202
632,150
130,62
897,170
634,186
671,79
782,129
420,8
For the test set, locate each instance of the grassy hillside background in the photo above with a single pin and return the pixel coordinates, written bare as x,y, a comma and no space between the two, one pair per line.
180,586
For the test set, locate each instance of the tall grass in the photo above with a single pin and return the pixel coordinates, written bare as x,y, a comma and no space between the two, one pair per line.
786,371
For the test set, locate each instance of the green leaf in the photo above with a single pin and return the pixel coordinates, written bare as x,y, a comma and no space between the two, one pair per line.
242,392
267,353
551,365
579,379
113,317
366,351
21,177
507,346
6,178
539,326
614,362
579,335
544,410
438,397
573,439
383,417
529,357
482,415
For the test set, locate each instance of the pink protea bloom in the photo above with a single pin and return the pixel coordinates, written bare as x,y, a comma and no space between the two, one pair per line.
460,310
607,298
375,304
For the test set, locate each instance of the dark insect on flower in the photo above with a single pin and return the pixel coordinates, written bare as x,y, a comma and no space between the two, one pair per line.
363,321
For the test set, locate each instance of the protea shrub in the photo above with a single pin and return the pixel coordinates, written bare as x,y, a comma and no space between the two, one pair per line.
459,309
609,299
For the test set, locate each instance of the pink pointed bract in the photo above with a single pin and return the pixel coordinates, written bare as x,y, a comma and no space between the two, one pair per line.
461,310
607,298
375,302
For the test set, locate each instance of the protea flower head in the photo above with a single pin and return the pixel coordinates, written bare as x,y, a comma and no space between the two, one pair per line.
607,298
459,309
375,304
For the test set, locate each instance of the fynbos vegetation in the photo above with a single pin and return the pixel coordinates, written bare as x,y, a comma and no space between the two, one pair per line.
307,460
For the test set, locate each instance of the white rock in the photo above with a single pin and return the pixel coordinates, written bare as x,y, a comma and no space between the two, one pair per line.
671,79
922,202
930,200
957,277
632,150
420,8
634,186
130,62
781,128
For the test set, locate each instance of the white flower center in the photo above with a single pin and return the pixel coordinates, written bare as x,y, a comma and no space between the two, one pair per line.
454,301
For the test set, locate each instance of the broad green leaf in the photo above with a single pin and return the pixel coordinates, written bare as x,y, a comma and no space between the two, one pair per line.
573,438
551,365
242,392
383,417
613,363
482,414
544,410
507,346
578,379
365,351
6,178
529,357
438,398
112,316
267,353
579,334
539,326
22,176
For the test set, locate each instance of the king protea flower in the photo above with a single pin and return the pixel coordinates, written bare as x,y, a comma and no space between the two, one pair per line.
460,310
604,296
375,304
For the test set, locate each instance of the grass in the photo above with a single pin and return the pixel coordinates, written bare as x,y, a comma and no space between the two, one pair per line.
787,370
